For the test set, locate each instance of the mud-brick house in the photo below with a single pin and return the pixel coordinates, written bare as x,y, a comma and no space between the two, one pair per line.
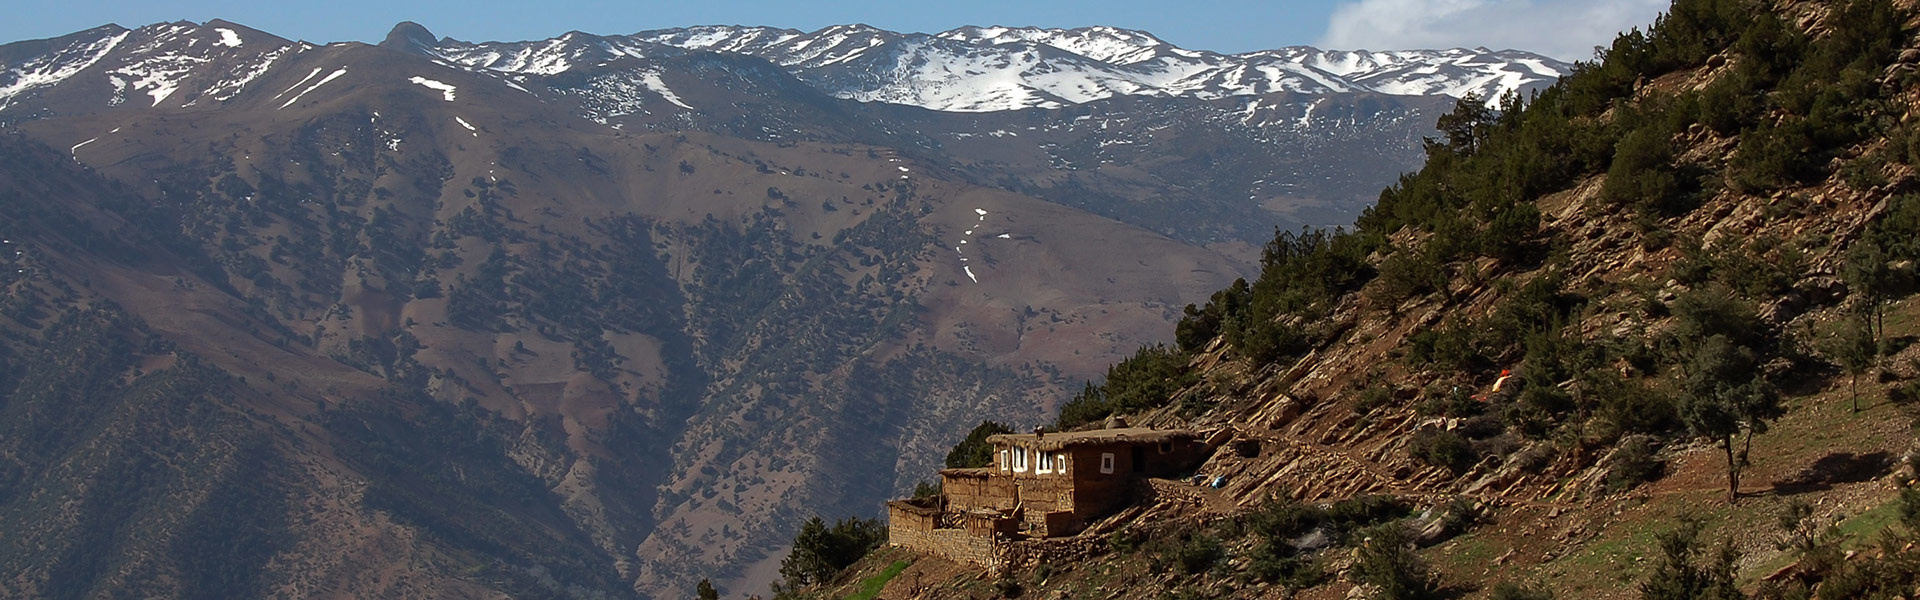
1039,485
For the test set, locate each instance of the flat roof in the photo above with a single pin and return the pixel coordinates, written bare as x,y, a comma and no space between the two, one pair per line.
1054,441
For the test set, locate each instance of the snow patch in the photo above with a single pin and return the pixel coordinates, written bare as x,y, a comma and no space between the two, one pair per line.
969,271
651,79
303,81
49,69
469,126
981,211
323,81
228,38
76,147
1005,236
446,90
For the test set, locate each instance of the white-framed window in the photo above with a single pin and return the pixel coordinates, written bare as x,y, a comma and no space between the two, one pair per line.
1106,463
1004,465
1052,461
1020,460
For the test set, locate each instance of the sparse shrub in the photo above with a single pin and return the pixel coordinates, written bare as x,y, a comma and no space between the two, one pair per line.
1008,587
1458,516
1124,540
1274,561
1374,397
1509,590
1633,463
1442,448
1386,561
1362,511
1284,518
1200,553
1864,173
1454,402
1536,457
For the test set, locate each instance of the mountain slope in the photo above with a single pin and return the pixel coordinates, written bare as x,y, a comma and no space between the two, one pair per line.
1705,305
496,348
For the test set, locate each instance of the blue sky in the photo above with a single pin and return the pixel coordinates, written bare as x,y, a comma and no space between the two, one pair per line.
1565,29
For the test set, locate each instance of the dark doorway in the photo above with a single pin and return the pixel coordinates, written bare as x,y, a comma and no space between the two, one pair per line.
1139,459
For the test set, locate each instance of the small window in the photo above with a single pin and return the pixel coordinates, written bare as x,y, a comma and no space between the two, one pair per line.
1106,462
1004,465
1166,447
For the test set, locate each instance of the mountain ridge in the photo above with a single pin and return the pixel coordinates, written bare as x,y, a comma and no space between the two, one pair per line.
1052,68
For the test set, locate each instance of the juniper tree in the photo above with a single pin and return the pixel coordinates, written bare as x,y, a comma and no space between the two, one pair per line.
1724,396
1685,571
1853,348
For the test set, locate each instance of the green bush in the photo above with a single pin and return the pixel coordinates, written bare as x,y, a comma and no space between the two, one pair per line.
1633,463
1385,559
1199,554
1442,448
1275,561
1642,175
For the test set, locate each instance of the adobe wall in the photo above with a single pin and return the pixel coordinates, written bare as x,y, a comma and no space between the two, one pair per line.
975,541
911,526
969,491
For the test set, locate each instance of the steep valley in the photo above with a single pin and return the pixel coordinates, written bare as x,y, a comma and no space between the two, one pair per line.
366,320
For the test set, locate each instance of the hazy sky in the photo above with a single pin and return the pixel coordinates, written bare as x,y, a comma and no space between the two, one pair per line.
1565,29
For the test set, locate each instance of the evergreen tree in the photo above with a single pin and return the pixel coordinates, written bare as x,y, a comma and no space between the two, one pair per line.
821,552
1386,561
974,451
1685,571
1853,348
1724,396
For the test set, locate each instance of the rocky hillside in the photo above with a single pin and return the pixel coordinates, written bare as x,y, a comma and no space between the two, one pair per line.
501,348
1696,260
591,316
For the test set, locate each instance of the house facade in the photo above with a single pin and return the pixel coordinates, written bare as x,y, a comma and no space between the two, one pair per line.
1039,485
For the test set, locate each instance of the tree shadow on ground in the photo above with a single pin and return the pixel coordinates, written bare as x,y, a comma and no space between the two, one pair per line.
1835,469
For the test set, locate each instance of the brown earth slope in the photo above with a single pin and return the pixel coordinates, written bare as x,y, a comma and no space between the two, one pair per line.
1568,497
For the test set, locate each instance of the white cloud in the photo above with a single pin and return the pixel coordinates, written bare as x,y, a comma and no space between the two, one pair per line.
1563,29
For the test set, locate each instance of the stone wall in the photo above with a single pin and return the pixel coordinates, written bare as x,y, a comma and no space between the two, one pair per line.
971,538
1027,554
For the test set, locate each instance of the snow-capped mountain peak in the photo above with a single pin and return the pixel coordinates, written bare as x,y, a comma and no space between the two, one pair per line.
976,69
